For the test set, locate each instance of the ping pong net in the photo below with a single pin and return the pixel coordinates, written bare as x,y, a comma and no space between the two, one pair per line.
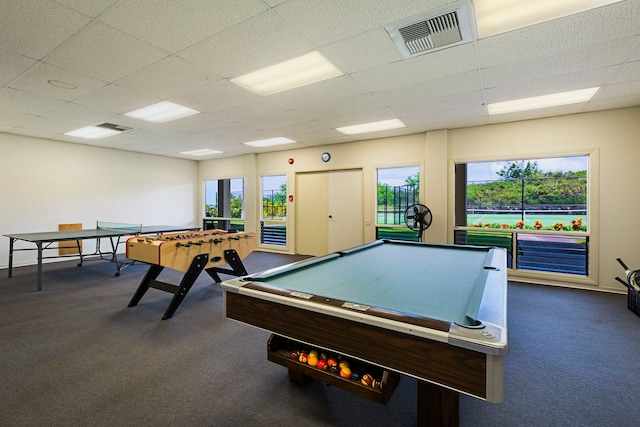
119,226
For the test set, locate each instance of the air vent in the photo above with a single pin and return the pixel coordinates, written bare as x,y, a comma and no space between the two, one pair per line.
112,126
435,30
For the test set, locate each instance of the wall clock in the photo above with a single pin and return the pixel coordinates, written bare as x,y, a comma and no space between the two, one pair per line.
326,157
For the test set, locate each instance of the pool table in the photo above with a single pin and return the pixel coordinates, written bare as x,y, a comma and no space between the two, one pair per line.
434,312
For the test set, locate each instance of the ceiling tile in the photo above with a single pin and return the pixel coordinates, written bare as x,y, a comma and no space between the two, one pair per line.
125,54
117,99
545,86
592,27
437,88
13,65
13,118
445,103
362,51
343,106
250,110
33,28
595,56
49,125
628,72
320,92
37,80
253,44
105,53
169,77
214,97
455,60
327,21
25,102
173,25
92,8
368,116
80,114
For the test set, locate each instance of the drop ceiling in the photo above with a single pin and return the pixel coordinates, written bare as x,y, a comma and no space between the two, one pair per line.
70,63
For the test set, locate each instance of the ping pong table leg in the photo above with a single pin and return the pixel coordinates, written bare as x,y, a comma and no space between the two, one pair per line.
11,240
79,252
39,245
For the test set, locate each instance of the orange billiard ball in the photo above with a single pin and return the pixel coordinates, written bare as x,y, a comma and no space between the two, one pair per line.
345,372
312,360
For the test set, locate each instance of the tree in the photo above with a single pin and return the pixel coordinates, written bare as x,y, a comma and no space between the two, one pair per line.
413,180
519,169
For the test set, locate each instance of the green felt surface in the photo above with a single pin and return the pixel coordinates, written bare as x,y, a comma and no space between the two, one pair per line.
439,282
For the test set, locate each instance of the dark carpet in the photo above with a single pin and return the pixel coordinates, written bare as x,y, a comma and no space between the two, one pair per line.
76,355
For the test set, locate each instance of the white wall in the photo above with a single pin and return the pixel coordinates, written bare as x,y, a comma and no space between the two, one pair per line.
612,138
365,155
44,183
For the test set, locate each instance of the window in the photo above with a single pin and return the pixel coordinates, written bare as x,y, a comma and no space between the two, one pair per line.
535,208
224,204
398,188
273,221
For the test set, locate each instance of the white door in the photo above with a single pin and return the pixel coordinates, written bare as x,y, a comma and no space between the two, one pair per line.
345,210
329,213
312,205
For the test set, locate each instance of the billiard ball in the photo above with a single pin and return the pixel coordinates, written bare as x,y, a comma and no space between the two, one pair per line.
322,364
377,384
295,354
312,360
343,363
314,353
303,357
332,361
334,369
324,356
367,380
345,372
355,375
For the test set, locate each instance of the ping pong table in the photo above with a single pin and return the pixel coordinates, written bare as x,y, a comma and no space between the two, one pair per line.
111,230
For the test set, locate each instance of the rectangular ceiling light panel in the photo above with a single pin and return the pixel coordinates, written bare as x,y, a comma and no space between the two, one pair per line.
445,27
372,127
544,101
297,72
499,16
162,112
269,142
201,152
93,132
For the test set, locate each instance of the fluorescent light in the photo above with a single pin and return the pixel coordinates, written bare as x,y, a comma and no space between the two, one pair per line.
544,101
297,72
162,112
93,132
201,152
269,142
372,127
499,16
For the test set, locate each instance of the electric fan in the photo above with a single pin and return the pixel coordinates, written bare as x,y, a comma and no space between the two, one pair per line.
418,218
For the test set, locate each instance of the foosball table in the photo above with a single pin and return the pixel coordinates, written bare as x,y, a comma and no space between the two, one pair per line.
189,253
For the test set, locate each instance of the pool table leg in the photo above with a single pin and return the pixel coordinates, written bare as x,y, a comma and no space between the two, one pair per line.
437,406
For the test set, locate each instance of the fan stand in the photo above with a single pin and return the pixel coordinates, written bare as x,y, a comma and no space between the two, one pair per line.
418,218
